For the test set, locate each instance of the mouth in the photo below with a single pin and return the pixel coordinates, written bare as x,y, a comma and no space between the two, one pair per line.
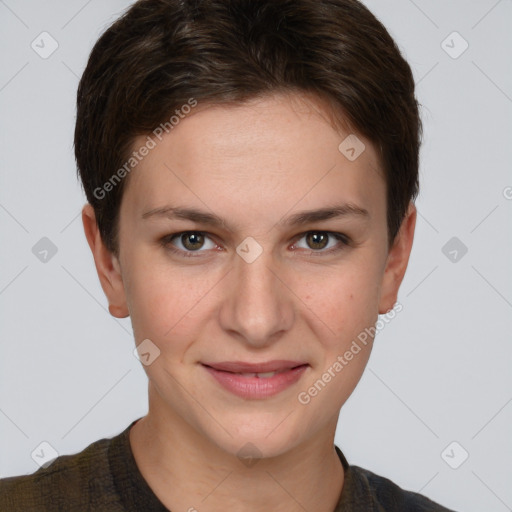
256,380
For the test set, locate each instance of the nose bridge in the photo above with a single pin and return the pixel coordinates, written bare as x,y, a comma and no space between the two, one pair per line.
258,306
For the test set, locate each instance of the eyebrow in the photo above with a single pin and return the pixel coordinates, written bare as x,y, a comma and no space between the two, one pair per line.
297,219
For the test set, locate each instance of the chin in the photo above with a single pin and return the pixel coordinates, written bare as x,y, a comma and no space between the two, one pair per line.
256,437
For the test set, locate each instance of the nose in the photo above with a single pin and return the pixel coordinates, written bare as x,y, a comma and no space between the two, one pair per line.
258,306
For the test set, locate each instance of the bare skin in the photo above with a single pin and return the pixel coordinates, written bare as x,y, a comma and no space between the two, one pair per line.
253,165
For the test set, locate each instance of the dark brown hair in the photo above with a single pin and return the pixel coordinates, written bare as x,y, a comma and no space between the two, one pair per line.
162,53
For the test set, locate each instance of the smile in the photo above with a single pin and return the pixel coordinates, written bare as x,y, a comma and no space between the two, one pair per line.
273,377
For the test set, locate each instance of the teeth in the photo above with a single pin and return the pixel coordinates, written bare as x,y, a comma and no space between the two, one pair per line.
265,375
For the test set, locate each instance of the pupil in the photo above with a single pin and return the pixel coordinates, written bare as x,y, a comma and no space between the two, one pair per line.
196,240
317,238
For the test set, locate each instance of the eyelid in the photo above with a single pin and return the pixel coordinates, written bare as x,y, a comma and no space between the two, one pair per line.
344,241
167,240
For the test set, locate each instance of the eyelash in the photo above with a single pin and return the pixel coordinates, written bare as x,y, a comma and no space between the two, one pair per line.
166,242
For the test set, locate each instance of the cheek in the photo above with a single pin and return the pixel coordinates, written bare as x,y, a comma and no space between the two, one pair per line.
166,301
341,302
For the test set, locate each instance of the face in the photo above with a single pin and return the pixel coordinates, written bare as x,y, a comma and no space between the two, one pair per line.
230,266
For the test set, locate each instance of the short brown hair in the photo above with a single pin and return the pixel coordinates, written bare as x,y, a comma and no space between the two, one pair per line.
162,53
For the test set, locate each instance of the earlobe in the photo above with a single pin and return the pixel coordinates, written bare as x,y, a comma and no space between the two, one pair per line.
398,258
117,311
107,265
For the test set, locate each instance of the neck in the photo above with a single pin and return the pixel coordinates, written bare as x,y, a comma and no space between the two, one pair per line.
188,472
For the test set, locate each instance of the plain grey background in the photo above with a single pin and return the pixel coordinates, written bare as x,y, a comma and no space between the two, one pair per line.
438,387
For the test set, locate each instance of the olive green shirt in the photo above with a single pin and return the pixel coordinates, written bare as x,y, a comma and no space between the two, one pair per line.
105,477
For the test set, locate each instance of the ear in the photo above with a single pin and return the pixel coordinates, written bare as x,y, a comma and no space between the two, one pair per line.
107,265
398,258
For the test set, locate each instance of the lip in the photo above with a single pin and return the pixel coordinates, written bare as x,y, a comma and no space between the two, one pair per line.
243,367
229,375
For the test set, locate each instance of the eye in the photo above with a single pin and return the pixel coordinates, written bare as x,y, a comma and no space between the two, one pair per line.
188,242
318,241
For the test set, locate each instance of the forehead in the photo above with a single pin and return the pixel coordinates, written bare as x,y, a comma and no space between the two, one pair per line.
264,156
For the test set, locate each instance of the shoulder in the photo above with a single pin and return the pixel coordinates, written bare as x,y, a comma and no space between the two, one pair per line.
68,483
388,496
365,490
